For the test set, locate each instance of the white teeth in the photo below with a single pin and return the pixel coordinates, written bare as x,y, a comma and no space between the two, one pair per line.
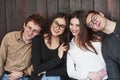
74,31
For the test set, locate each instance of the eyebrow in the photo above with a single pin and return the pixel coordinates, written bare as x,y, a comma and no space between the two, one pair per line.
59,23
91,18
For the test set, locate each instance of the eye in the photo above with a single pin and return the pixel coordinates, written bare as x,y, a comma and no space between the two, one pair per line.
94,17
78,25
90,25
71,24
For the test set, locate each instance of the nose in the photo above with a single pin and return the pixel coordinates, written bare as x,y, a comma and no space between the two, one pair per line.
94,21
58,27
31,32
73,27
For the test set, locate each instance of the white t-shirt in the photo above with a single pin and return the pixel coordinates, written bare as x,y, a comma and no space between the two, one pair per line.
81,62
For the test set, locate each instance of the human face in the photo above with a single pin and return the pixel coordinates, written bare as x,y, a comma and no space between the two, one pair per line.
58,26
74,26
30,30
95,21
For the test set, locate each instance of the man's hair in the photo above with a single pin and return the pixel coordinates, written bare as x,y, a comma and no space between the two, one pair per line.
37,19
87,13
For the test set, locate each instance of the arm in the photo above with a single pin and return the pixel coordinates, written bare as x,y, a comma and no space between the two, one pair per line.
75,72
71,69
3,53
113,69
37,62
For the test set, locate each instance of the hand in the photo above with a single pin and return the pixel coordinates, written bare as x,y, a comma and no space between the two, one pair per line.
102,73
95,76
61,50
15,75
44,72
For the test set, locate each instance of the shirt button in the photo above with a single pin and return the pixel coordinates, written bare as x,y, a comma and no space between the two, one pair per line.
117,35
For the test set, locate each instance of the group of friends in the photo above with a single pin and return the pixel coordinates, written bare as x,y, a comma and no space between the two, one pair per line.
81,46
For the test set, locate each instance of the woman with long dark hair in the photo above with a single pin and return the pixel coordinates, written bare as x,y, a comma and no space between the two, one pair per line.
48,50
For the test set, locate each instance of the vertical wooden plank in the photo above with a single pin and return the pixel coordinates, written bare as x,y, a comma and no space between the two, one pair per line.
52,7
75,5
2,19
100,5
41,8
87,5
20,13
64,6
30,7
113,9
10,15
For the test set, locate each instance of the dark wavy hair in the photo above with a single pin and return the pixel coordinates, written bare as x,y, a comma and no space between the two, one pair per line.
64,38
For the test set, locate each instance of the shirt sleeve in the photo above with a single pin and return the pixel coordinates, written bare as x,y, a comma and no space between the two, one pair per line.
73,71
113,69
3,52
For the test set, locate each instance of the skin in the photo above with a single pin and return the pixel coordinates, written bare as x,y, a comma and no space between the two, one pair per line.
56,31
30,30
99,23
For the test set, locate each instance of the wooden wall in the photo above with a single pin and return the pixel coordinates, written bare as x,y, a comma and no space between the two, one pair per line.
14,12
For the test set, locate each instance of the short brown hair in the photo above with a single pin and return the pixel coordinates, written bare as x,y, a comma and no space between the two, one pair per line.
37,19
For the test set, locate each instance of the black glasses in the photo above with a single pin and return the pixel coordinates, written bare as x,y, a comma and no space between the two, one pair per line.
92,22
56,24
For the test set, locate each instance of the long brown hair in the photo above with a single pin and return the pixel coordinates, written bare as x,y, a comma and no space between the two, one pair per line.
85,35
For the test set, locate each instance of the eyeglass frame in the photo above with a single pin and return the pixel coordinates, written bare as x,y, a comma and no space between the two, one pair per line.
33,30
91,23
56,24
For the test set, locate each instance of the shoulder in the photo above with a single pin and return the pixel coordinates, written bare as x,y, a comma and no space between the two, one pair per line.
96,43
12,34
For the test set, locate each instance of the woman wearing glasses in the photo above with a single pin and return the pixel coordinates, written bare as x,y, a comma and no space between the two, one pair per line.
49,50
84,58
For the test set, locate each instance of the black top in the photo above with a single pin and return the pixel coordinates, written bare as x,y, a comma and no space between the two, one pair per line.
111,53
45,59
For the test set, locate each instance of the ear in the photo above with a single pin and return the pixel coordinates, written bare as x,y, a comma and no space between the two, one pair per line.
101,14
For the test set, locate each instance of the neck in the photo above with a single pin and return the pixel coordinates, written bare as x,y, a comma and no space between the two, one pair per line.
25,40
109,27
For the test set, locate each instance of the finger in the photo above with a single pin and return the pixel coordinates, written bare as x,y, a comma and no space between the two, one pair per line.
62,45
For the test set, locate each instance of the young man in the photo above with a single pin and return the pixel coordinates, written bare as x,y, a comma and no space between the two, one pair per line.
15,49
110,33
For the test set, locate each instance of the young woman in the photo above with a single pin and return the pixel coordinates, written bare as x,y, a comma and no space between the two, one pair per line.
48,50
84,58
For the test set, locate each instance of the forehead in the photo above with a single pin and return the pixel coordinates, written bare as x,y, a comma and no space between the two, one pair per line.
74,21
88,19
60,20
33,25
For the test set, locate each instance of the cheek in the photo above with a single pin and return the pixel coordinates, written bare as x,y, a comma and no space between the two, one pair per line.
62,31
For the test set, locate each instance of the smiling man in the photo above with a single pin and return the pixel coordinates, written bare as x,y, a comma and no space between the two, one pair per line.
109,32
15,49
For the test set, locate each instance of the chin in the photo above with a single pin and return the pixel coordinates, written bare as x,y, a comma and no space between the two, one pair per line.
29,38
